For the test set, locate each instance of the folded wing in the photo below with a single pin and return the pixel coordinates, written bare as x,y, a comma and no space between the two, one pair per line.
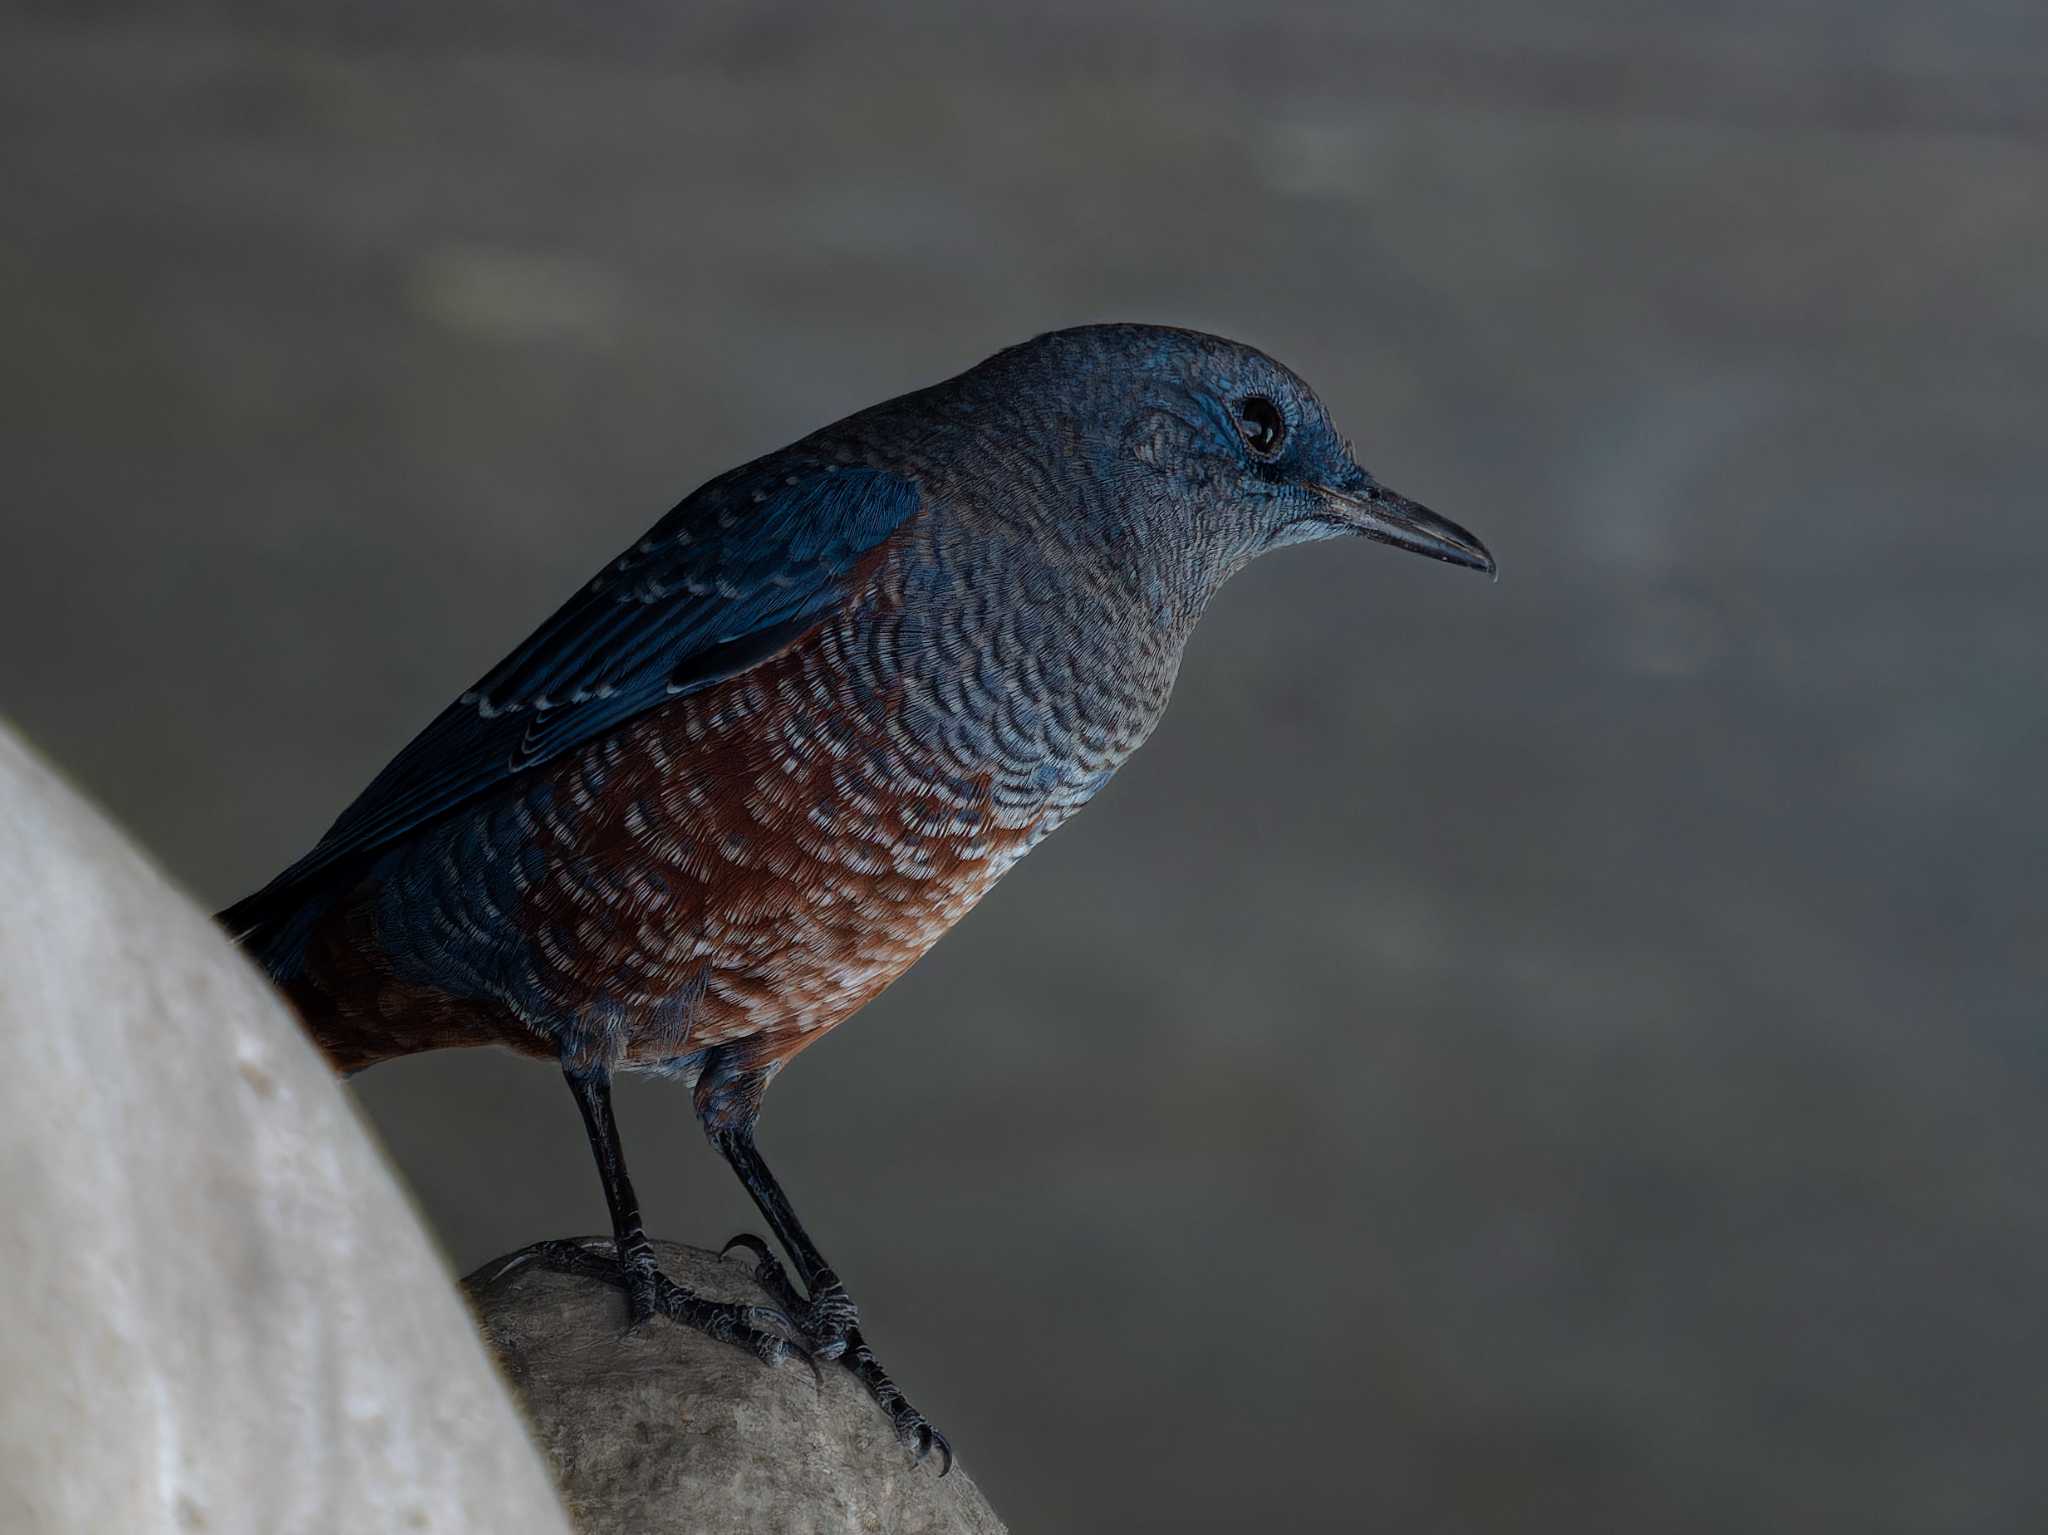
733,576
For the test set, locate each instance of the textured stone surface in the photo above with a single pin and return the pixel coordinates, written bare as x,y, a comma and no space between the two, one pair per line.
664,1429
221,1314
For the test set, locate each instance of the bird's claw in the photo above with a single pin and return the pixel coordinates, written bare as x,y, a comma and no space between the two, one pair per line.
825,1318
912,1427
829,1322
770,1335
768,1268
923,1439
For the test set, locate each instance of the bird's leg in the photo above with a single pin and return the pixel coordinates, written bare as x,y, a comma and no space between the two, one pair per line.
825,1312
649,1292
630,1247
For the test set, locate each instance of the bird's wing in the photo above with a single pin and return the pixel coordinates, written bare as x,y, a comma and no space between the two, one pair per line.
730,578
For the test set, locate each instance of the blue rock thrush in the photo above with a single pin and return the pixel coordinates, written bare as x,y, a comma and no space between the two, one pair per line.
754,769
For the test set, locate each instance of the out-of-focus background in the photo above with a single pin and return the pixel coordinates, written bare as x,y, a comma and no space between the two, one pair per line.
1561,1055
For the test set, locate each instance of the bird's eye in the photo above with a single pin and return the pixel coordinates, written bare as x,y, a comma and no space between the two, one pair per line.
1261,425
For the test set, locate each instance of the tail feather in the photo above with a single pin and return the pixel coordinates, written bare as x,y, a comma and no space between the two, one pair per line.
273,924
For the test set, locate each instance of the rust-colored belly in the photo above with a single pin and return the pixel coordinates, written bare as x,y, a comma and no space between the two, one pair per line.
752,863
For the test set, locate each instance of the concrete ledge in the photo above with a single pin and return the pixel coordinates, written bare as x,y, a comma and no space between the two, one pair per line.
221,1312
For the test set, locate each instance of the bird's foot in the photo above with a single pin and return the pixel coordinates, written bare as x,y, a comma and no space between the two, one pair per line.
830,1324
912,1427
827,1317
769,1335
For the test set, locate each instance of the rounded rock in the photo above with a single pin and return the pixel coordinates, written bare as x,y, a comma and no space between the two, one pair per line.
665,1428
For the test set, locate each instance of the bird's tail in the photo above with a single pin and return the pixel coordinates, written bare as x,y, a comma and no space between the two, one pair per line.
273,924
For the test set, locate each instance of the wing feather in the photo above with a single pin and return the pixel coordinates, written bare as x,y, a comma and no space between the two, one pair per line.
729,578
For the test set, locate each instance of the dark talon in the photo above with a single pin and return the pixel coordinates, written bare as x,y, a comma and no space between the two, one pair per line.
774,1278
913,1429
768,1269
589,1261
783,1327
753,1244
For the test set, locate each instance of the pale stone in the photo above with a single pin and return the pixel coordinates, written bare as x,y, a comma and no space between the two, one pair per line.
221,1312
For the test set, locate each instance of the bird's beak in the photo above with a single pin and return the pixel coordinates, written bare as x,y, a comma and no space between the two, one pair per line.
1379,514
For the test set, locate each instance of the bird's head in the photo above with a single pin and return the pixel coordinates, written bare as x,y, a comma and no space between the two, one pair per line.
1231,436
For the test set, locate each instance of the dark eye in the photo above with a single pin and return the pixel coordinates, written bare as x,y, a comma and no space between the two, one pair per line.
1261,425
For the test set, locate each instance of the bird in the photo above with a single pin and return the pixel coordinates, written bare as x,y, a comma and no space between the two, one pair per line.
752,770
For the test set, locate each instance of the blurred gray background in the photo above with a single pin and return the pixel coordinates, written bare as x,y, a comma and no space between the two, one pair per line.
1560,1055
